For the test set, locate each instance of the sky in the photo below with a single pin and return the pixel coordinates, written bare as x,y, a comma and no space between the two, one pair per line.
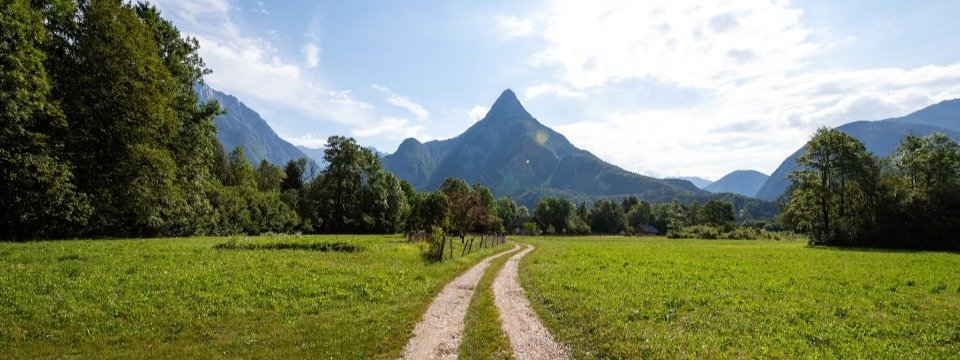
661,88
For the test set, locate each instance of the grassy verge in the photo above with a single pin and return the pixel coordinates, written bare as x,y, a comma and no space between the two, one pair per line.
483,337
663,298
182,298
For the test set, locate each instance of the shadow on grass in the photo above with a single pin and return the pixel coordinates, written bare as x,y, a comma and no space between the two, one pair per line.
883,249
283,244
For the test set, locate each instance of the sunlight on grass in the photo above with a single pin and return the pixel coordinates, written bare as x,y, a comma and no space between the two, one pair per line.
630,298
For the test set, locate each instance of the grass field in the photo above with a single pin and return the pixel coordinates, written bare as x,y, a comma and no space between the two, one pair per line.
659,298
181,298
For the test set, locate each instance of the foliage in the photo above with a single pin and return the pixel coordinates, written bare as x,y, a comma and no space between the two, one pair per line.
845,197
287,243
606,217
554,212
724,232
36,181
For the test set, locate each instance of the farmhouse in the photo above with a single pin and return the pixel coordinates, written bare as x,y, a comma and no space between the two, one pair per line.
646,230
519,225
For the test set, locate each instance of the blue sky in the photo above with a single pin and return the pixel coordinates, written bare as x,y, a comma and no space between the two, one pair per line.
662,88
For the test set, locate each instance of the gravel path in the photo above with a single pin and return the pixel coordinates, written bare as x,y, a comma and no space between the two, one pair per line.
438,335
529,339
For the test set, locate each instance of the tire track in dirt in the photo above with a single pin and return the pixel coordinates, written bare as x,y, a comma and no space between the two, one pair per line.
439,333
529,339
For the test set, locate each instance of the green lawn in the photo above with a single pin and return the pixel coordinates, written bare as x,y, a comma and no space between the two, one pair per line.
660,298
181,298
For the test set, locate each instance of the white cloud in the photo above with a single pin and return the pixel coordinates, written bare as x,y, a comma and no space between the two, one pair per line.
309,140
478,112
760,124
556,90
250,68
513,27
393,128
759,99
698,44
399,101
312,54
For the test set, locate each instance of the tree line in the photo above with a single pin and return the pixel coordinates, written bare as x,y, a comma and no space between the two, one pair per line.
844,196
606,216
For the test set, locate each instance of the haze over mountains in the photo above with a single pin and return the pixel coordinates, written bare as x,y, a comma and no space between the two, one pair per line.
743,182
879,137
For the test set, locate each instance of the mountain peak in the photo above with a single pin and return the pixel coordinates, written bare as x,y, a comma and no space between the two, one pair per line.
507,105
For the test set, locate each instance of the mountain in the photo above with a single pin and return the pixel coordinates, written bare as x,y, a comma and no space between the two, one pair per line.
515,155
699,182
242,126
743,182
879,137
945,115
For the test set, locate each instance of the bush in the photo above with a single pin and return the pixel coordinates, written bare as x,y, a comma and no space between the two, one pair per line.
286,243
710,232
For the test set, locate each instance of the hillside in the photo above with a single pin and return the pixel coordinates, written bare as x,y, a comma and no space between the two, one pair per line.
242,126
515,155
699,182
743,182
879,137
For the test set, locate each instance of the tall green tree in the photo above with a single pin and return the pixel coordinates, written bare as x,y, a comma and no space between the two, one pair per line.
607,217
835,193
119,99
36,182
241,172
717,213
554,212
268,176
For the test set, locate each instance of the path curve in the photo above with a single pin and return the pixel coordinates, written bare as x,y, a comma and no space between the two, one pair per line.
438,335
529,339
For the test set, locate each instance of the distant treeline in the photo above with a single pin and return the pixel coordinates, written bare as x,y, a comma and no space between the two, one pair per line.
845,196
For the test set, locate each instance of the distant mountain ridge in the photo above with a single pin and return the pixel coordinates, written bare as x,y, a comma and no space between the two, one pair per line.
880,138
515,155
244,127
696,181
743,182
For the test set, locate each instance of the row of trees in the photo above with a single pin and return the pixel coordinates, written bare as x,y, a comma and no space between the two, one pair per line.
561,216
102,134
845,196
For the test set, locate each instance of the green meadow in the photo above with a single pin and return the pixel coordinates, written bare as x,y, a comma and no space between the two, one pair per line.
612,297
343,297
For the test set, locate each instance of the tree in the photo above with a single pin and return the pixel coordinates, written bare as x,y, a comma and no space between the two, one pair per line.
241,173
506,210
342,182
607,217
924,177
36,181
268,176
835,193
718,214
466,206
428,211
294,172
640,214
120,101
554,212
